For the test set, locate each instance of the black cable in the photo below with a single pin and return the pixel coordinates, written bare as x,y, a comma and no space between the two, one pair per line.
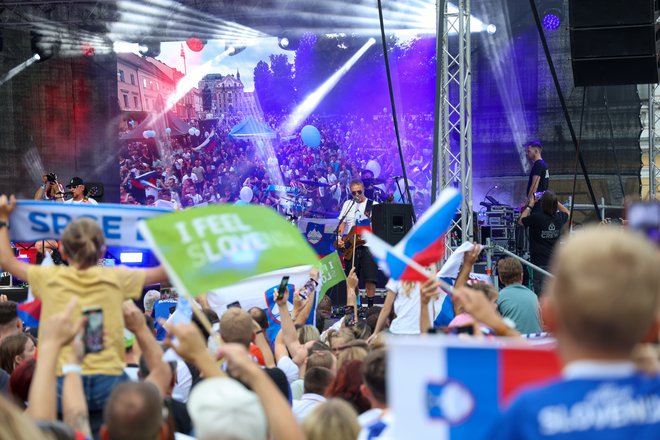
616,160
567,116
577,153
394,117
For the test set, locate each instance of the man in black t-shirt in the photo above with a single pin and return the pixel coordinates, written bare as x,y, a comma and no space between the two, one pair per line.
539,177
545,226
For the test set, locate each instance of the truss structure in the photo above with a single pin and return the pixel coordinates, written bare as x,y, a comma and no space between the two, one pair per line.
455,139
654,141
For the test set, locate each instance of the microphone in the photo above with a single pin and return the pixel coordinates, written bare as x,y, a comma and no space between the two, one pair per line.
397,177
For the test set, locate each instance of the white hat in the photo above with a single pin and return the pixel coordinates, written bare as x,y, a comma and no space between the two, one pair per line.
223,408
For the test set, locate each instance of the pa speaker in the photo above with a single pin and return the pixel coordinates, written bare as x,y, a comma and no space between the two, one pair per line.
391,221
614,42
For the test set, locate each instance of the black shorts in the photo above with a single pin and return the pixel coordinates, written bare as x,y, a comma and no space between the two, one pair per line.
365,266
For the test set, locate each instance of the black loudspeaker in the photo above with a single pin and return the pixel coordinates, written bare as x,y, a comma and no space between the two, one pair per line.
614,42
391,221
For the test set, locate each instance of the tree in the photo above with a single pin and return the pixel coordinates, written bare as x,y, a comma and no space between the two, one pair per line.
282,87
263,79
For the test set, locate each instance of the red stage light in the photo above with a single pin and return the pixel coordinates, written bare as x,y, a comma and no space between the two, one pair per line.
195,44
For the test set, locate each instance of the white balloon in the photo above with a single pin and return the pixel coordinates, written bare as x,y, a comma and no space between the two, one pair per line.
145,134
191,131
197,132
374,167
246,194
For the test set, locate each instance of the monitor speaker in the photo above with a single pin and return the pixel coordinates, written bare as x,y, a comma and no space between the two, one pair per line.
391,221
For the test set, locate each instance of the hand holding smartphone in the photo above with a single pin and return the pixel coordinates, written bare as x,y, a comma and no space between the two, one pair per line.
281,290
93,336
349,316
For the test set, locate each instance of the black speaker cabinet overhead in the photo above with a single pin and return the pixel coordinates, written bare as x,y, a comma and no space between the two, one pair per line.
614,42
391,221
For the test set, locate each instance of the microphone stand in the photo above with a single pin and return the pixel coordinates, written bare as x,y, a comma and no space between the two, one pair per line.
341,220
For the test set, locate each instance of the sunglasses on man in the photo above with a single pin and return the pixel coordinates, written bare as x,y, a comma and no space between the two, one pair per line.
356,193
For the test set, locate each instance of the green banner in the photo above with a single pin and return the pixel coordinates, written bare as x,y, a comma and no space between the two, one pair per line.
331,273
206,248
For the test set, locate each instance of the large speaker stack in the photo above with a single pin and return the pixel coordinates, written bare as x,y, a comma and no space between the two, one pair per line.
614,42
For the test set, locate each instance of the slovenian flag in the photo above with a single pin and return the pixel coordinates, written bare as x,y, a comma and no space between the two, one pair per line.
446,388
362,223
213,142
422,246
30,313
146,180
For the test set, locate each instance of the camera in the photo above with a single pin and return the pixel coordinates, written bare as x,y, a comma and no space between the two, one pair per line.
51,177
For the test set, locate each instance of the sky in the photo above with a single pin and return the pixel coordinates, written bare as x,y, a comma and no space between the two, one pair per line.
244,61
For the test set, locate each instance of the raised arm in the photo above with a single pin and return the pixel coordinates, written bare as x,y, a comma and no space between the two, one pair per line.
192,347
281,421
469,259
288,331
75,412
8,262
155,275
160,373
428,292
261,342
57,331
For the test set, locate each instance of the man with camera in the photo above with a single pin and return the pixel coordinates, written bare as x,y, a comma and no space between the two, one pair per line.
50,188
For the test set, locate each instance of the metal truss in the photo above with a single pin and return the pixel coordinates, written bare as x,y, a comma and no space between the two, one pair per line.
654,140
455,149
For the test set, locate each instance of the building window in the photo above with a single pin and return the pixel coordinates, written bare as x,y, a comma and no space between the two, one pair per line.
144,83
135,101
121,76
132,79
125,100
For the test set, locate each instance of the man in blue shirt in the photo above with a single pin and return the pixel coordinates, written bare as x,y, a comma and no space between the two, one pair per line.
516,301
601,304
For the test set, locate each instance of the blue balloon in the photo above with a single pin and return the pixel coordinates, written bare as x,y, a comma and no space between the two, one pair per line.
310,136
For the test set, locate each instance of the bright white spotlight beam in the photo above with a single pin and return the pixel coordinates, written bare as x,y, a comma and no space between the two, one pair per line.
193,77
314,99
18,69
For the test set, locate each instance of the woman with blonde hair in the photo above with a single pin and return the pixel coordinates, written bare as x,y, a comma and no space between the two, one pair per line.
333,419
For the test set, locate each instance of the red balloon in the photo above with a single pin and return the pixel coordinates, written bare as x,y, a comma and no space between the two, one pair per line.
195,44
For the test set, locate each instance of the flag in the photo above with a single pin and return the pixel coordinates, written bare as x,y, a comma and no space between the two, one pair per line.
421,246
320,236
210,247
258,292
213,142
30,313
362,223
146,180
447,388
331,273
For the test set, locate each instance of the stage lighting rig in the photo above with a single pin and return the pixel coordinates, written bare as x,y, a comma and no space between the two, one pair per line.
150,48
288,41
43,47
237,47
553,14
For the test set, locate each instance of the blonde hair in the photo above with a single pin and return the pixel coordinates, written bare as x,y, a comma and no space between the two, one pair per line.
83,242
606,287
407,287
355,350
333,419
308,333
16,425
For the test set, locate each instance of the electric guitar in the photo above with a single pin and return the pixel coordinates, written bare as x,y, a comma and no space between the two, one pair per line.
347,249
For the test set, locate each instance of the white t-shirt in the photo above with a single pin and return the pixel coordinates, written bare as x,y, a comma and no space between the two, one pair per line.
290,369
407,309
167,204
83,201
356,211
305,405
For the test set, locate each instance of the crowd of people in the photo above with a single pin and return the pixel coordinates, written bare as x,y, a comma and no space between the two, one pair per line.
213,377
214,168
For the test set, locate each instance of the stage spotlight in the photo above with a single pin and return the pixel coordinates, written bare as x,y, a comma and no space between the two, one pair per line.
491,29
288,41
235,49
150,49
43,48
551,20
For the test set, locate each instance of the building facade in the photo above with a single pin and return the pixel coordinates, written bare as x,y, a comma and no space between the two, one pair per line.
224,94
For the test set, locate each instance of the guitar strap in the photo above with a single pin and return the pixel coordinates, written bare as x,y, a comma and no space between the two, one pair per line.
367,209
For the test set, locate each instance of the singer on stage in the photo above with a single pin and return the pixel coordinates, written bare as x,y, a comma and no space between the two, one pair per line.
356,215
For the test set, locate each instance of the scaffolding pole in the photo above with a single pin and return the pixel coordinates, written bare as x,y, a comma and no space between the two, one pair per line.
455,124
654,123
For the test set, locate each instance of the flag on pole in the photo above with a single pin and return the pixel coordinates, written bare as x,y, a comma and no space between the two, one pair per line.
210,247
331,273
146,180
422,245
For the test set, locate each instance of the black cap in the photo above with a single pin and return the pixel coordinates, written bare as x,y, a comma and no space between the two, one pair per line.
75,182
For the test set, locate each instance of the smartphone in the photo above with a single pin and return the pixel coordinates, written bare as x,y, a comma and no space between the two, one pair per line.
93,336
349,316
645,218
282,288
235,304
309,288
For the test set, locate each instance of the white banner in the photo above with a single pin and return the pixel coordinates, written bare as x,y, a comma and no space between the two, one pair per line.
34,220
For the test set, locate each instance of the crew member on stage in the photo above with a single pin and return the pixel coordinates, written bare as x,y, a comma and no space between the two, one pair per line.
357,211
370,190
77,188
539,177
